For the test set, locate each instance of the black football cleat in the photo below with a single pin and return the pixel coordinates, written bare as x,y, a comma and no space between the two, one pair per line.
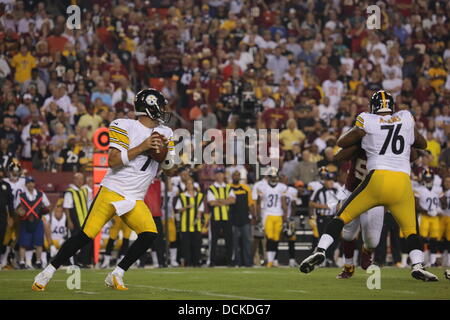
313,260
419,273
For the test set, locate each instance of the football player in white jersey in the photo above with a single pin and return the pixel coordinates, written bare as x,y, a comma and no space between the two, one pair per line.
15,178
131,171
56,231
428,205
387,138
17,183
273,211
445,221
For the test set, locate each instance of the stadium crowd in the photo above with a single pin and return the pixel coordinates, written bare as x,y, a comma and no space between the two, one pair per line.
304,67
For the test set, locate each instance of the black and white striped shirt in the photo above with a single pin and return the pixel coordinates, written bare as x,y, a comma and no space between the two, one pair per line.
326,196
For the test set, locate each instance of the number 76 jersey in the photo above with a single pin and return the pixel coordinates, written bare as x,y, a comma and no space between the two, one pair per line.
388,140
132,181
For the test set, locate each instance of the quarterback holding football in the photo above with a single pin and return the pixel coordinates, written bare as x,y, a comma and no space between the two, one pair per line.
136,150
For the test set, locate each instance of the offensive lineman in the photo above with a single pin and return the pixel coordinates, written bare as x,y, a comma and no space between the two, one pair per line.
124,186
387,138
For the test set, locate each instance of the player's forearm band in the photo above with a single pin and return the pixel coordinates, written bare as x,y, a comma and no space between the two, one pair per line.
124,156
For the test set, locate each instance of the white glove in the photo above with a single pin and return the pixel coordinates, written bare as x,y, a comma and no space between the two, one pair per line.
432,212
53,251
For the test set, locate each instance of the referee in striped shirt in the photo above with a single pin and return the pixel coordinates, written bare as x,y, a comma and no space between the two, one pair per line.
324,202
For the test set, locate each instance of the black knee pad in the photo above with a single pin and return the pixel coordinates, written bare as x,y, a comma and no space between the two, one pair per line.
147,237
414,242
271,245
433,245
334,228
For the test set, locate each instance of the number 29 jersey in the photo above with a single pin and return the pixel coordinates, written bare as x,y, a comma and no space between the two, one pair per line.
388,140
132,181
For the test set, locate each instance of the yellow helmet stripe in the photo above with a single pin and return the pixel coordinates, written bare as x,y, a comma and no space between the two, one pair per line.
383,98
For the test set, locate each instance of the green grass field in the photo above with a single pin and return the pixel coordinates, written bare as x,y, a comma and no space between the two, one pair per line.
229,284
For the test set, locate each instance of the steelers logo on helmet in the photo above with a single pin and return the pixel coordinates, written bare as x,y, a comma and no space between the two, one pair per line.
152,103
273,176
381,101
151,100
427,178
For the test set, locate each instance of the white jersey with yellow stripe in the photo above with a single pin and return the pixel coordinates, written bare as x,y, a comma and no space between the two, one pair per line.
429,199
58,228
388,140
132,181
271,198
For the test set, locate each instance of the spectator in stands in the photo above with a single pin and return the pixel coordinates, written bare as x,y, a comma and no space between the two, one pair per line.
90,120
208,119
307,168
291,135
72,157
23,62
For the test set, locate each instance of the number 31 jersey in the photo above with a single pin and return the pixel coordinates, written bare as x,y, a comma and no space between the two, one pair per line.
132,181
388,140
271,198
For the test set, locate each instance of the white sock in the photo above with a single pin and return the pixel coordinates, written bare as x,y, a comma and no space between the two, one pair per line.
416,256
271,256
355,258
50,269
405,259
154,258
433,257
106,259
325,241
29,256
173,255
119,271
44,259
349,261
4,260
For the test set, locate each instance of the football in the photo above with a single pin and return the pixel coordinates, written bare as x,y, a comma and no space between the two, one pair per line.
158,155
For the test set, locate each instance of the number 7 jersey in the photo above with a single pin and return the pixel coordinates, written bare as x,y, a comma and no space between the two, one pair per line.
132,181
388,140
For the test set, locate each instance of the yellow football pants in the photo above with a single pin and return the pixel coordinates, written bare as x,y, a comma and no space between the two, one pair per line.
139,219
390,189
118,225
12,233
313,224
172,231
444,227
429,226
55,242
273,226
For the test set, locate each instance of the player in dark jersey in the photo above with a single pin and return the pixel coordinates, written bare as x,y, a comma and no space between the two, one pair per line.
370,222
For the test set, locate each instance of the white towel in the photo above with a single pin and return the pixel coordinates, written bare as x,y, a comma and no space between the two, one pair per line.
123,206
